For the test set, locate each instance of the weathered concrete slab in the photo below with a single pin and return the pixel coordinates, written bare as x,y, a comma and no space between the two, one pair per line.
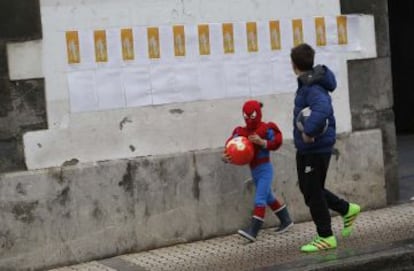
91,211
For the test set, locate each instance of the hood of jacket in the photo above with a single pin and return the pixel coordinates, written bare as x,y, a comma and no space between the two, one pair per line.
319,75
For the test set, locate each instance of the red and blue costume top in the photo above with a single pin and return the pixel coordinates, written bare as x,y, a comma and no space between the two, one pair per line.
268,131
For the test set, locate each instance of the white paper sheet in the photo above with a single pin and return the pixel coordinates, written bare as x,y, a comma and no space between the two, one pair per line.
211,80
163,84
82,91
192,51
110,90
260,78
170,79
240,40
166,43
309,35
283,79
263,37
216,41
141,45
236,79
354,38
186,81
286,34
137,85
113,37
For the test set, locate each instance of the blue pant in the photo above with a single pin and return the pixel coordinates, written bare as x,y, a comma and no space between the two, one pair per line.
262,178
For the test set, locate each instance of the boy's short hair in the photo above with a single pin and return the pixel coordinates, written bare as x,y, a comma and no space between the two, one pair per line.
302,56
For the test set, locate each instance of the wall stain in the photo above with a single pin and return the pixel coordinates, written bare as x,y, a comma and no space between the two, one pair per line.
176,111
196,180
67,215
147,212
124,121
97,212
24,211
20,189
57,174
127,182
132,148
6,240
71,162
145,163
63,197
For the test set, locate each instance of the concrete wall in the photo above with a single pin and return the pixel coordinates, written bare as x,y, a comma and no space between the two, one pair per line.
371,92
77,213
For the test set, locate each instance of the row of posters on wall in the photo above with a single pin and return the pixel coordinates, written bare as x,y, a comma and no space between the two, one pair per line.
138,66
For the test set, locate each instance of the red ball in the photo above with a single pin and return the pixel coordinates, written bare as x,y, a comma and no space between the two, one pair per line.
241,150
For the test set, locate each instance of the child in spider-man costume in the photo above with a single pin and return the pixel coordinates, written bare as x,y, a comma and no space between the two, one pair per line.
266,137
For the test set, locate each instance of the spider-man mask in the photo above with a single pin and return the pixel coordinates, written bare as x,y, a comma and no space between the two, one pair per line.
252,114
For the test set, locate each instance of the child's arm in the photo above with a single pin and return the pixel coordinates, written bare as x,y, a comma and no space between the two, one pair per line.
236,132
274,137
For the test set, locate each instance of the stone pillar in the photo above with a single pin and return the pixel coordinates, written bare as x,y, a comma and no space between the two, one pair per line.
371,92
22,103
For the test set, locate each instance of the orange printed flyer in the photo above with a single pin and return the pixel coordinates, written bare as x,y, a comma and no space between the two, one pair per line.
297,31
101,49
179,40
72,47
342,25
320,30
153,42
127,40
274,27
228,38
251,32
204,39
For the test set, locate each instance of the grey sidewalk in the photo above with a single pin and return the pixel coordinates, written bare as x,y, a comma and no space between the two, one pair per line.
374,231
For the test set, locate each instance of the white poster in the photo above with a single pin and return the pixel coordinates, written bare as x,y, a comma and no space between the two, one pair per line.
142,65
260,78
186,81
141,45
211,80
283,79
109,89
137,85
82,91
236,77
114,48
166,43
163,82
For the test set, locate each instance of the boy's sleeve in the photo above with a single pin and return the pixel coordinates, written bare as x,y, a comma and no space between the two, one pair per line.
321,107
274,137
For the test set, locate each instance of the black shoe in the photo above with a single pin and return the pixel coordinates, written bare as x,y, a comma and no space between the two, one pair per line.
285,221
251,232
284,227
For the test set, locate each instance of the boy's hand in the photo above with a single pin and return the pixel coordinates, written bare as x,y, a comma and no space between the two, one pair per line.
255,139
307,139
226,157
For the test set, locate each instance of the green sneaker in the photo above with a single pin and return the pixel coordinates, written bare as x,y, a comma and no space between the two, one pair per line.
320,243
349,219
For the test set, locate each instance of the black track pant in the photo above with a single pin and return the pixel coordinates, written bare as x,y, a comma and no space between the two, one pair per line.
312,169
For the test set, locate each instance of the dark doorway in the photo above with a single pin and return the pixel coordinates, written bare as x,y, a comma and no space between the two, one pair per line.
401,20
